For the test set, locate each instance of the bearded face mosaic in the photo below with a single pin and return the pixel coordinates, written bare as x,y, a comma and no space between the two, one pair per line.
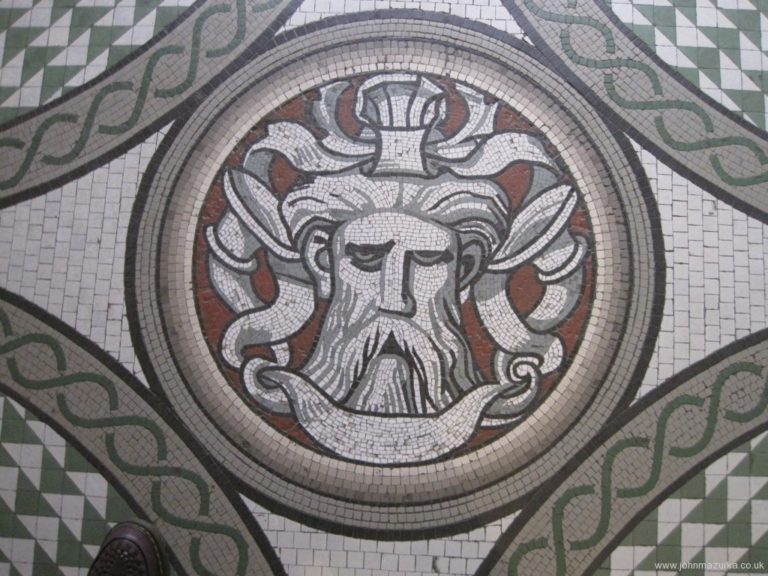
398,257
390,265
388,292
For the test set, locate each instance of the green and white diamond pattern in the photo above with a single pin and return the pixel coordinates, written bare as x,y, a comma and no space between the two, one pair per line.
718,517
719,45
50,46
54,506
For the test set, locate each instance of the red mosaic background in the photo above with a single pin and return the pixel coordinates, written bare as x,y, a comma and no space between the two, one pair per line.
524,289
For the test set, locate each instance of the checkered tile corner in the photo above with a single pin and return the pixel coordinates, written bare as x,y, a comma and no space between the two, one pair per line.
721,46
54,506
47,47
718,518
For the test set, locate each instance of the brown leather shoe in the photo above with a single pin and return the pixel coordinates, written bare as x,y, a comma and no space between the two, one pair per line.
130,549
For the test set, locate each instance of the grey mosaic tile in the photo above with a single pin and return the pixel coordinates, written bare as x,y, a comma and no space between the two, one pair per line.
67,251
68,260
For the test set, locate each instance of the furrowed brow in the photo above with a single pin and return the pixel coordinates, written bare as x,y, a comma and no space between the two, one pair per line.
382,248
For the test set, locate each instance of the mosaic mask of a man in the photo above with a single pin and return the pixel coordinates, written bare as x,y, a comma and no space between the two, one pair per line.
393,256
395,227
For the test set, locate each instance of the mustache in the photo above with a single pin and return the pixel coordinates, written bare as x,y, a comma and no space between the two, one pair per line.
387,340
428,356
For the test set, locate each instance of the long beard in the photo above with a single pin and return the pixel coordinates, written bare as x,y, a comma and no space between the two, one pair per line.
376,362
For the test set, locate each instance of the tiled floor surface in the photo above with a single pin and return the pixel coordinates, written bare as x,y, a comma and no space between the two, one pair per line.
68,249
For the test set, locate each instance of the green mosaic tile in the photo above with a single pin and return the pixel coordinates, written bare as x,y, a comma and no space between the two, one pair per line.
708,37
35,59
76,462
672,540
646,533
739,530
5,458
762,494
54,78
715,511
726,529
165,15
16,39
30,501
51,492
9,16
43,564
753,465
754,555
745,20
13,432
117,508
11,527
117,53
80,36
84,18
6,567
696,487
664,553
72,552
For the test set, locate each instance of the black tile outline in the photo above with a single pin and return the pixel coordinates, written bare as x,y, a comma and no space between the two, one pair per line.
449,528
616,424
161,408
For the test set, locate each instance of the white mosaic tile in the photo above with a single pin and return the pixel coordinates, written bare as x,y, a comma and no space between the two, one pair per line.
490,12
716,273
67,250
306,551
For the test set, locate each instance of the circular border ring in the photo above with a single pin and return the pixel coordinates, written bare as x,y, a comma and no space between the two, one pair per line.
391,501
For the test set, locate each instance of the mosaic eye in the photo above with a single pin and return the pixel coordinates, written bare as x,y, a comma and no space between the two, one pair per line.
431,258
368,257
326,334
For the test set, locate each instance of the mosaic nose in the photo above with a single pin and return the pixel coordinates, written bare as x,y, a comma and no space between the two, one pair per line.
460,287
396,290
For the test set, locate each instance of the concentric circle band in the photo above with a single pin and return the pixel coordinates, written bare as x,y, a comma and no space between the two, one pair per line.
438,494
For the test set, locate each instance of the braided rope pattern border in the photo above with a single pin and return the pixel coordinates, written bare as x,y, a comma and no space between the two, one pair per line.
660,111
48,146
95,407
673,435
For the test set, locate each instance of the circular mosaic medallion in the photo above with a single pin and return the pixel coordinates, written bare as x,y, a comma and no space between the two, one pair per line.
394,292
400,251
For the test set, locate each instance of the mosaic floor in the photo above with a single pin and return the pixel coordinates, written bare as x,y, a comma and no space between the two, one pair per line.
378,287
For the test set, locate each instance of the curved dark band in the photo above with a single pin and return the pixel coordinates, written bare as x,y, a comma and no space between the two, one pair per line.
129,435
648,451
333,499
642,95
95,123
